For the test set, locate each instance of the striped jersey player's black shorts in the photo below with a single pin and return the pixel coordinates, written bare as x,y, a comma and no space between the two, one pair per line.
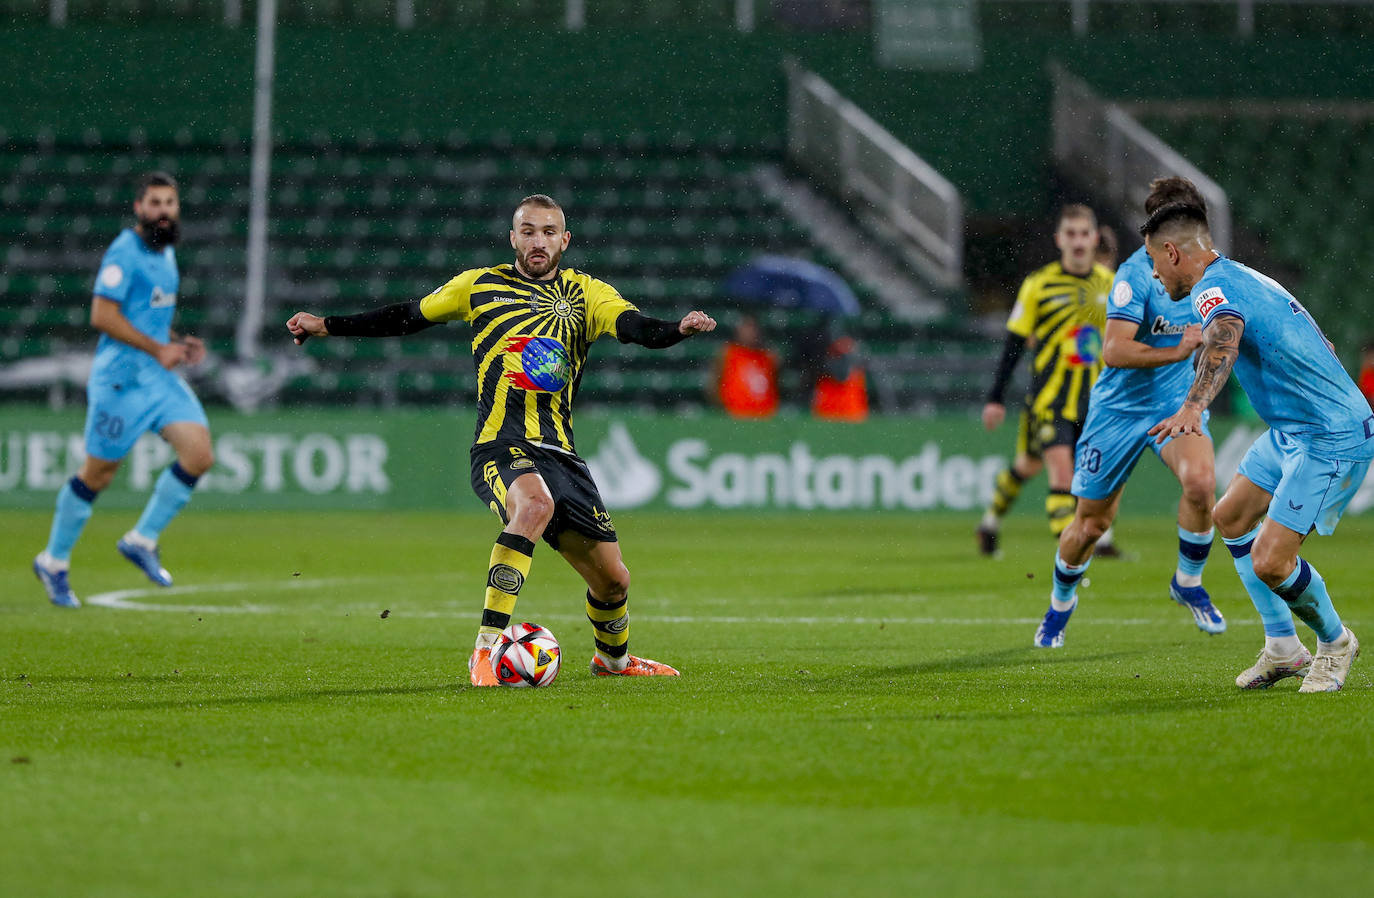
577,505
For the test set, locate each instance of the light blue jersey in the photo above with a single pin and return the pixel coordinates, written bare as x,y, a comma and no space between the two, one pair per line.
144,282
1286,367
1140,299
129,392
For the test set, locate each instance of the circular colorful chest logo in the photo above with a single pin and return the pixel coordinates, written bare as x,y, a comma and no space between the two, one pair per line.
543,364
1083,345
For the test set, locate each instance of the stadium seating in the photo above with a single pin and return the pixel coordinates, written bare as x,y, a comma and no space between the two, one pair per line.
365,222
1307,187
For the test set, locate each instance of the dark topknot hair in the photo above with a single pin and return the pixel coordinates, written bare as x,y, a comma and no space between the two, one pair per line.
1172,212
153,179
1173,189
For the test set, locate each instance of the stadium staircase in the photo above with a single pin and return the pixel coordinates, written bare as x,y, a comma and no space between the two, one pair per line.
365,222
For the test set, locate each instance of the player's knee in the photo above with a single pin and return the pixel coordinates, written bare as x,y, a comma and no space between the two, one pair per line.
97,476
197,461
535,510
1199,490
1091,527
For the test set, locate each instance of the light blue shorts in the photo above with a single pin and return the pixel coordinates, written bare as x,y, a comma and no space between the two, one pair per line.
1110,446
119,412
1309,490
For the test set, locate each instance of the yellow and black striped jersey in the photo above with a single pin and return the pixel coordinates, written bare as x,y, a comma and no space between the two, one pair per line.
529,344
1064,316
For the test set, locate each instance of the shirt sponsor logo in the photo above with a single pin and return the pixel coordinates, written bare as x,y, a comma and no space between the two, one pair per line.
1083,346
1122,294
161,299
1161,327
1208,300
111,276
543,364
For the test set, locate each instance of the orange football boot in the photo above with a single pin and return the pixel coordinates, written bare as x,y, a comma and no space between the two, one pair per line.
479,668
635,667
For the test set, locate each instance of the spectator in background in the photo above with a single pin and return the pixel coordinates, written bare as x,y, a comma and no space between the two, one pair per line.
1366,378
745,380
841,392
1108,247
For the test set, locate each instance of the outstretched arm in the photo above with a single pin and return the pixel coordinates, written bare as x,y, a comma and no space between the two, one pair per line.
1220,347
389,321
656,333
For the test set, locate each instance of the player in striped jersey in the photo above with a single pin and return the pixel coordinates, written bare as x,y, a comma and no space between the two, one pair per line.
533,323
1060,312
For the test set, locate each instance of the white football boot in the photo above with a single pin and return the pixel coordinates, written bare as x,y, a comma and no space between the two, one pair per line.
1268,670
1330,668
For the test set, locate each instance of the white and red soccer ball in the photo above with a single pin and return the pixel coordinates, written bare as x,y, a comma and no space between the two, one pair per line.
526,655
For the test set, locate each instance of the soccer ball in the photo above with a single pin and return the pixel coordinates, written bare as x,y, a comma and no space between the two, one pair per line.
526,655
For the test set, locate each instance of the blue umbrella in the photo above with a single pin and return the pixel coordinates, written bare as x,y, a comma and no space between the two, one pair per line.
792,284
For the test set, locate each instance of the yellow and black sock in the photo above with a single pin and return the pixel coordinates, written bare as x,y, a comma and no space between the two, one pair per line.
611,623
1009,485
1060,506
510,565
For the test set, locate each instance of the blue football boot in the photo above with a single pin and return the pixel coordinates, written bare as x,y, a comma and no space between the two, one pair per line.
1196,600
1050,633
55,584
146,560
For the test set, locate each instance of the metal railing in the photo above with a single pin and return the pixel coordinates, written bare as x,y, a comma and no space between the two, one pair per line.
1098,143
849,153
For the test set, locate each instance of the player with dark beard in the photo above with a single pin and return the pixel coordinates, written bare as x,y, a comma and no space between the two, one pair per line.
533,323
133,389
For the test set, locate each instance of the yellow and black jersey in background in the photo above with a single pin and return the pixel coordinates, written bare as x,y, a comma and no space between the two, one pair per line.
529,343
1063,316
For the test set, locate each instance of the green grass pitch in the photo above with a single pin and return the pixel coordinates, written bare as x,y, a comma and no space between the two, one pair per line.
860,708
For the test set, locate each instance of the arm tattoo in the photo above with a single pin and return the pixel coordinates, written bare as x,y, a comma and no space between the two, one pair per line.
1220,347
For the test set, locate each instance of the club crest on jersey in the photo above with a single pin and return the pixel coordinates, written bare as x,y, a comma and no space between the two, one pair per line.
111,275
543,364
1122,294
1084,345
1208,300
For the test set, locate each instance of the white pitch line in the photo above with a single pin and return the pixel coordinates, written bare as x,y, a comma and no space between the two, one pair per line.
122,599
126,600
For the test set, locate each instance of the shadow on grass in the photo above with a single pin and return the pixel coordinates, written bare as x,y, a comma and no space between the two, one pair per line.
1000,659
1093,708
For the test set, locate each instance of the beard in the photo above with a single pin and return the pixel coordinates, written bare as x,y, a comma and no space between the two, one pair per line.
159,232
540,268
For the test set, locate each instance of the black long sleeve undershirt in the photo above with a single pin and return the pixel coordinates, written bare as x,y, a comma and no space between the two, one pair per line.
405,318
642,330
389,321
1011,354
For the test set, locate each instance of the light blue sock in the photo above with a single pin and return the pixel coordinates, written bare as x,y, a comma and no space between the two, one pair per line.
73,511
1193,549
170,495
1273,611
1305,593
1066,577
